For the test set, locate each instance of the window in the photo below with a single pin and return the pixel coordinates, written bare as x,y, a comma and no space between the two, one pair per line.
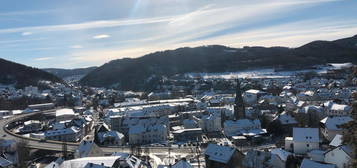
307,145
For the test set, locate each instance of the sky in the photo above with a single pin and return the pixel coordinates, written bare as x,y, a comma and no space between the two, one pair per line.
83,33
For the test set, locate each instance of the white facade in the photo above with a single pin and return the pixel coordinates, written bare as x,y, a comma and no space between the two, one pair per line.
251,96
304,140
87,148
340,156
339,110
72,134
145,135
232,128
330,126
211,123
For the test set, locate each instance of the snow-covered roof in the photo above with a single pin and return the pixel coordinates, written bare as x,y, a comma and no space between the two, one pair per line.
108,161
340,107
84,148
306,134
241,123
32,122
72,130
331,123
182,164
283,155
306,163
186,130
254,91
65,111
218,153
336,141
285,119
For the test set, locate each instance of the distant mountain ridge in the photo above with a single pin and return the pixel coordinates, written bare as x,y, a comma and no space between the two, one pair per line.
64,73
22,75
133,74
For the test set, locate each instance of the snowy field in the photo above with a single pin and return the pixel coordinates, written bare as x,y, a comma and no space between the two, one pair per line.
267,73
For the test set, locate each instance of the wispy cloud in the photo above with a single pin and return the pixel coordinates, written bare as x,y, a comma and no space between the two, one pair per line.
43,58
101,36
76,46
88,25
26,33
32,12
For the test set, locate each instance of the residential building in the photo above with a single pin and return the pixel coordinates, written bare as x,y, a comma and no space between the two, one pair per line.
303,140
87,148
223,157
72,134
340,156
330,126
306,163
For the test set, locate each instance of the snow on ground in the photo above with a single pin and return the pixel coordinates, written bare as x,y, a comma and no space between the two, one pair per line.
266,73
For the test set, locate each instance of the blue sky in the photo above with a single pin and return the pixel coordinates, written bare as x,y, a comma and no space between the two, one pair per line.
82,33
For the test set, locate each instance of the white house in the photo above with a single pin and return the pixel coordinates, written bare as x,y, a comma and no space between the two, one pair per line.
306,163
64,114
239,127
211,123
140,134
329,126
339,110
340,156
285,119
72,134
251,96
111,138
303,140
279,157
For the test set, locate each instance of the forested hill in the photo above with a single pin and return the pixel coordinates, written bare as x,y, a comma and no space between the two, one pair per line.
133,73
63,73
21,75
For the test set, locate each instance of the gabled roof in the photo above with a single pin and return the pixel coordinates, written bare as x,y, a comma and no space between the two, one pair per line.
182,164
306,134
285,119
222,154
85,147
306,163
336,141
81,162
332,122
345,148
283,155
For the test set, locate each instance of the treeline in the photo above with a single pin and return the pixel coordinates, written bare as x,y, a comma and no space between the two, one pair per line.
133,74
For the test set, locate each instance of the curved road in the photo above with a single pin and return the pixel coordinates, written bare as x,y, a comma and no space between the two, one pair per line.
71,147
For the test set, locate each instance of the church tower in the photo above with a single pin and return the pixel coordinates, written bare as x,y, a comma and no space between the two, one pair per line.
239,109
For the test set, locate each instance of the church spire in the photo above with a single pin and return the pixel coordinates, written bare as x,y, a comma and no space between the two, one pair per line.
239,109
